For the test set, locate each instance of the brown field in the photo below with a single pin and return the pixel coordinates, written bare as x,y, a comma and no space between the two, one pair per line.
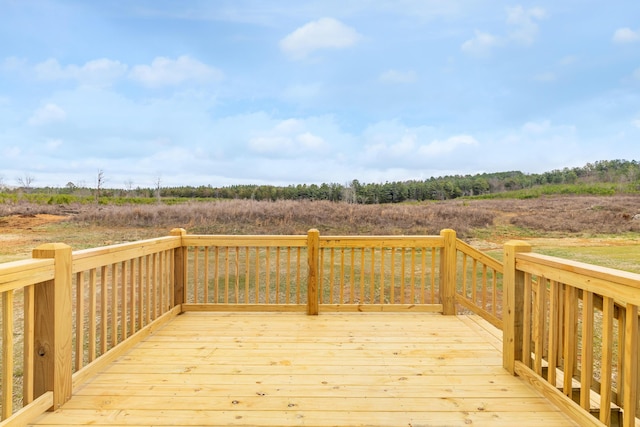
549,223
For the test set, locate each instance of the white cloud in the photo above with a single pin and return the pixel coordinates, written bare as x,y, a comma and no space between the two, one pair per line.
289,126
438,148
396,76
636,73
481,44
50,113
325,33
266,144
310,141
626,35
287,138
390,144
165,71
524,27
636,122
99,72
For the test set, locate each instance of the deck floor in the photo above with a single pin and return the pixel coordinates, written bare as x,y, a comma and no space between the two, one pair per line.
287,369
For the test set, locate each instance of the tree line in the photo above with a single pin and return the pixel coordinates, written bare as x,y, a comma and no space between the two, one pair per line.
623,174
442,188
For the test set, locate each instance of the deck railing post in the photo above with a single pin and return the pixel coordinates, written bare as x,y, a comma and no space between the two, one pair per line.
630,378
313,251
448,269
53,328
180,268
513,288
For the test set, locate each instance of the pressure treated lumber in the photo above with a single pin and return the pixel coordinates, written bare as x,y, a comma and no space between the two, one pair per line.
282,369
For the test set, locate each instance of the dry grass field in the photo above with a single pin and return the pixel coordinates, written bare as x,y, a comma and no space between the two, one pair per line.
600,230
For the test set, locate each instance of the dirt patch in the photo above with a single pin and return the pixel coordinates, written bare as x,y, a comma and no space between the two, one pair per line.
27,222
21,233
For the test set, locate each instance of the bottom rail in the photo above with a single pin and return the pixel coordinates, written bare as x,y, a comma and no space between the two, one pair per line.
29,412
570,407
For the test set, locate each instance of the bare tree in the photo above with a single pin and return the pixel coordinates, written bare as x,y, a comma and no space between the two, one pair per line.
128,185
25,181
100,180
158,184
349,193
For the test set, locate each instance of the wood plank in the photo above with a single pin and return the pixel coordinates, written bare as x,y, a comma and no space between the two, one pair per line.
435,373
7,354
295,417
280,373
630,367
339,402
279,369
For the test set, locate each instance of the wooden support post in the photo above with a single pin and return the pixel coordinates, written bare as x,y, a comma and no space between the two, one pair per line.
180,268
630,367
313,250
53,327
448,270
513,288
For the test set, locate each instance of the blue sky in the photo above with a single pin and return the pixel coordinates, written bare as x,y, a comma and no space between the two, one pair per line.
289,92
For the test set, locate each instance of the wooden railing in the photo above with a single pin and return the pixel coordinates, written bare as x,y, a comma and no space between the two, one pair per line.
479,283
313,272
571,329
68,314
63,312
245,272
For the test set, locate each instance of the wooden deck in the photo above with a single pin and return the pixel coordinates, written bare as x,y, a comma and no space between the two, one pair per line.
288,369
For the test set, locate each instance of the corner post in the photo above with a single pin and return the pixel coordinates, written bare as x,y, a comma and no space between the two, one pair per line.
53,327
180,268
448,269
313,250
512,311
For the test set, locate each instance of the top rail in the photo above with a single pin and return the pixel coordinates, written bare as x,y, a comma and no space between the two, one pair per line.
87,259
381,241
19,274
620,285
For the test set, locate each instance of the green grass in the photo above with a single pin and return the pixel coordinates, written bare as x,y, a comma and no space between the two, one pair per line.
620,257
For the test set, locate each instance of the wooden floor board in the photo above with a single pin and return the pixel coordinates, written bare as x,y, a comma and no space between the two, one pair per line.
288,369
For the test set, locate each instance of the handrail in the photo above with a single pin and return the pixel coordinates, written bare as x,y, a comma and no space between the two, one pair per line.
479,288
19,274
573,327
